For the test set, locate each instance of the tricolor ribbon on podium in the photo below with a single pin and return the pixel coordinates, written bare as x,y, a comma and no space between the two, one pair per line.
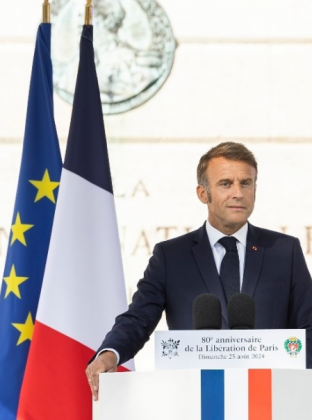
249,399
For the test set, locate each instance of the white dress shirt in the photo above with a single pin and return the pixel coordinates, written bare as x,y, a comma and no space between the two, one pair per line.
219,251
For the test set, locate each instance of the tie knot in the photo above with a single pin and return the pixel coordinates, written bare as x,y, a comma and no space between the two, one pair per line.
229,243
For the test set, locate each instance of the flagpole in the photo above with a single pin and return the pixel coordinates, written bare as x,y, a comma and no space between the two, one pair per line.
88,13
46,11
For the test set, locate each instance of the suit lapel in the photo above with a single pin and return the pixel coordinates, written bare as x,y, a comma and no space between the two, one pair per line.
253,260
207,267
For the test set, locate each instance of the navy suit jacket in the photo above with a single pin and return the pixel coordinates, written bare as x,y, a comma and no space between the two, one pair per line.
180,269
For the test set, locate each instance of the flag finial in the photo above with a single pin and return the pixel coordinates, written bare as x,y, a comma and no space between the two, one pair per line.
88,12
45,11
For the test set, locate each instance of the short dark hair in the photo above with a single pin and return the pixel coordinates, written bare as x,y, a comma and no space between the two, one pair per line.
228,150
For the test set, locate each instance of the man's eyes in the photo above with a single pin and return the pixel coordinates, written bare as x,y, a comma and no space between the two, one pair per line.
227,184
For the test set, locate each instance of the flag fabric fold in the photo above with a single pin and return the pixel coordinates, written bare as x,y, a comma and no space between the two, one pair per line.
83,289
31,228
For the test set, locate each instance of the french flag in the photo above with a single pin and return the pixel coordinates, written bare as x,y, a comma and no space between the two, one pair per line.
83,288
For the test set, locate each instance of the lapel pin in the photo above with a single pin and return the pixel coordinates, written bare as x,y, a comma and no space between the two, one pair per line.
254,248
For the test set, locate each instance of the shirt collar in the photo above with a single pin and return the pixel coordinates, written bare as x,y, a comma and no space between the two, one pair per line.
214,235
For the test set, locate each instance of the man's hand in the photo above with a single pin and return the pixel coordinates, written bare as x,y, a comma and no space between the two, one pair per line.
105,362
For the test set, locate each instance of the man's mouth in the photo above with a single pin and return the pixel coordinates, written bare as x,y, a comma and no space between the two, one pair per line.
237,207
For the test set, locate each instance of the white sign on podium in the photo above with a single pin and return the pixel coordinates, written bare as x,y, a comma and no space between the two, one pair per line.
222,349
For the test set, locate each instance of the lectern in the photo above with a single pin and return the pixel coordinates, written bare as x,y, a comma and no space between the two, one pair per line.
214,375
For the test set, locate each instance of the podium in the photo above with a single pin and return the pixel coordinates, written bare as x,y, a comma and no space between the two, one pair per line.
230,394
214,375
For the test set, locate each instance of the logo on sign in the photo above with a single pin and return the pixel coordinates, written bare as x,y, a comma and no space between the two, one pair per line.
170,348
293,346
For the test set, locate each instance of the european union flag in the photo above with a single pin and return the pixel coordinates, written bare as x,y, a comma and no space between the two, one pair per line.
31,228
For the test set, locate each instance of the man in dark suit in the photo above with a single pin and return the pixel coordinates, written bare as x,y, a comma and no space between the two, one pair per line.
270,266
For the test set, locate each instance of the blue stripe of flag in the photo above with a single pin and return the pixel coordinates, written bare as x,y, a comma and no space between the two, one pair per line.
212,395
86,140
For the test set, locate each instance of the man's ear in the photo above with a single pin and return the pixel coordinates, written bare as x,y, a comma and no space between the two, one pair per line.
202,194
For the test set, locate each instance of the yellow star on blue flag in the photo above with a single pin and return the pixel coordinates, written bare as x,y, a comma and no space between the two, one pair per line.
45,187
26,329
19,229
13,282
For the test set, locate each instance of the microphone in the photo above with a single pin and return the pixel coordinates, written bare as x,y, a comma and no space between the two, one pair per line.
241,312
207,312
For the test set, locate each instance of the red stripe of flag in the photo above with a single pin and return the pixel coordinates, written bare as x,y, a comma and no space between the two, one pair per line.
58,362
259,394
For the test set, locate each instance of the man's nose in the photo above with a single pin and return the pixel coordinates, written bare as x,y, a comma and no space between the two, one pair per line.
237,191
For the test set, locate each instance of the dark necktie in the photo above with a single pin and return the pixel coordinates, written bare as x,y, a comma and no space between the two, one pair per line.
229,269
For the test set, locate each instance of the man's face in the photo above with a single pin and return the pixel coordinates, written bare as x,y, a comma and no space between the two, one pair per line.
231,193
